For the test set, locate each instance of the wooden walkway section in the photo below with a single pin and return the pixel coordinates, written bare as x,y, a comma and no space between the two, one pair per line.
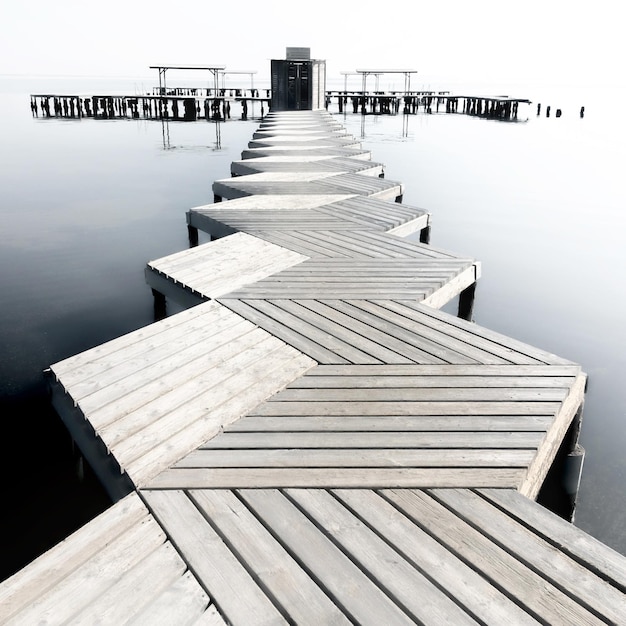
315,442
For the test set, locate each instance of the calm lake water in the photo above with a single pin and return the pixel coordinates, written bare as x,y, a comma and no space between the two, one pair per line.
85,204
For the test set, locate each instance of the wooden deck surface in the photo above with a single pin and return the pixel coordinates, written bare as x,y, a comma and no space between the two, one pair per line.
318,443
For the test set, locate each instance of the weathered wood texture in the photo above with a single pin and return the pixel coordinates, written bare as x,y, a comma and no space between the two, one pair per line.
323,212
442,556
218,267
117,569
157,393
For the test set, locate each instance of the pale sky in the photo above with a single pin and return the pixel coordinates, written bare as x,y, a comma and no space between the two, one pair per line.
546,40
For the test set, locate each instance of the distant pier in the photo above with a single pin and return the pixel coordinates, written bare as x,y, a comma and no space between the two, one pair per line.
192,104
176,104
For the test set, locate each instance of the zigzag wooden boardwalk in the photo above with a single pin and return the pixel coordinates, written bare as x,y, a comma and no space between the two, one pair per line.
314,442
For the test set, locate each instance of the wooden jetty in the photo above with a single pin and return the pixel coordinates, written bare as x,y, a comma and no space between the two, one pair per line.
191,104
315,442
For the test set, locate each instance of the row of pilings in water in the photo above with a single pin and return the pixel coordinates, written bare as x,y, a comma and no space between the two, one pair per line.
142,107
190,106
499,108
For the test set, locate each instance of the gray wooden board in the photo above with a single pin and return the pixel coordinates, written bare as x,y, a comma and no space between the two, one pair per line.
539,371
367,211
153,403
401,279
162,330
368,344
368,245
395,423
459,342
468,588
253,153
429,394
480,332
442,440
557,567
526,586
287,327
192,413
365,600
408,584
356,457
40,577
192,366
227,581
94,577
305,219
341,183
113,369
596,556
329,141
221,266
279,575
304,243
413,341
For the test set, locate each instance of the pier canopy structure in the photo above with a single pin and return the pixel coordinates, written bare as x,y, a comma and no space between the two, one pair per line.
250,73
214,70
378,73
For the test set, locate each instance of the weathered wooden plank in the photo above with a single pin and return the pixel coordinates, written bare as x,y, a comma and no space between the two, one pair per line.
367,338
291,315
299,292
431,346
399,440
210,617
450,289
396,423
396,381
494,372
220,266
157,378
184,602
284,327
406,583
444,332
165,441
596,556
546,454
280,576
547,602
352,590
136,589
356,457
93,577
480,332
304,243
109,379
37,579
408,408
428,394
556,567
161,332
158,401
224,577
476,595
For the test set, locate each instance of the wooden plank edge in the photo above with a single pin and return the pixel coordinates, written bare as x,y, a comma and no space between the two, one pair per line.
547,451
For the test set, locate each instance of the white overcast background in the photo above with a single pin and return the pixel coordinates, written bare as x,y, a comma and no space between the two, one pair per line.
538,41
